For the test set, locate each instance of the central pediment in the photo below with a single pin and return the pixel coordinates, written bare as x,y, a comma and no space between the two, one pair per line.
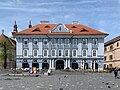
60,28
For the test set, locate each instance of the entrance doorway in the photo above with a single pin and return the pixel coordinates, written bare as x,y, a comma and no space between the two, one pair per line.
35,64
45,65
25,64
74,65
86,66
59,64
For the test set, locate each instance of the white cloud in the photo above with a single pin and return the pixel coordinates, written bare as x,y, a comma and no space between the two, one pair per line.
67,16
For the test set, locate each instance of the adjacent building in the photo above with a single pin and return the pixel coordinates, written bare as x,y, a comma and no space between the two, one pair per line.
59,46
7,52
112,53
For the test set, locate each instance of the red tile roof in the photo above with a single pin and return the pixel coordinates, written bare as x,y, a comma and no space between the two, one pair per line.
77,29
112,41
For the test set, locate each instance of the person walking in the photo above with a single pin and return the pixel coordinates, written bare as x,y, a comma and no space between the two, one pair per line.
115,72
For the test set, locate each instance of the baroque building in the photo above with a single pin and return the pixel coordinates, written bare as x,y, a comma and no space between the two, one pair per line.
59,46
112,53
7,52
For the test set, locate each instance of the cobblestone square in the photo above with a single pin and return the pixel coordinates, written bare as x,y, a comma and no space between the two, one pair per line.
62,81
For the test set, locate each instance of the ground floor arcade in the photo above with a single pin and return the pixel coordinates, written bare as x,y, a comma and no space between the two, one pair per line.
60,64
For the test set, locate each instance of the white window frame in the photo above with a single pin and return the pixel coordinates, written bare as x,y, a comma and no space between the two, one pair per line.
83,53
68,52
85,41
66,41
52,52
34,53
60,41
24,53
73,53
94,41
61,52
74,41
44,53
93,53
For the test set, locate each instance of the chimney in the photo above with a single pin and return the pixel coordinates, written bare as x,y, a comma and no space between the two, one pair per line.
75,22
44,22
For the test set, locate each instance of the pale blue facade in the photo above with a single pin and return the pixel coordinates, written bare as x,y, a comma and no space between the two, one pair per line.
60,51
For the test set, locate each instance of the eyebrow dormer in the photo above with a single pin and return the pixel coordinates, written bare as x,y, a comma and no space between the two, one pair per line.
60,28
36,30
84,30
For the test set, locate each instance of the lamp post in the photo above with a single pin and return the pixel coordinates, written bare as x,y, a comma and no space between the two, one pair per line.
5,54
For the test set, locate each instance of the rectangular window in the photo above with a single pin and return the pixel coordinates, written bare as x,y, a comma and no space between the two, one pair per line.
25,42
111,47
74,41
74,53
84,53
95,41
45,53
94,53
53,41
66,53
66,41
84,41
53,53
25,52
110,57
105,58
60,41
60,53
35,41
117,44
105,49
35,52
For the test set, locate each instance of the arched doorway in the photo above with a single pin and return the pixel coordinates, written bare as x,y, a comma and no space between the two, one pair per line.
45,65
86,66
74,65
25,64
59,64
35,64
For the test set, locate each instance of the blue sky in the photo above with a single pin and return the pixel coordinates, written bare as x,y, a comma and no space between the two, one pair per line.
103,15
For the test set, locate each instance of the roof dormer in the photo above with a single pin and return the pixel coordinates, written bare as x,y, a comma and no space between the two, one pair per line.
60,28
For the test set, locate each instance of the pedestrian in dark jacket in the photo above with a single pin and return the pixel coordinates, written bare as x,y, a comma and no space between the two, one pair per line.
115,72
